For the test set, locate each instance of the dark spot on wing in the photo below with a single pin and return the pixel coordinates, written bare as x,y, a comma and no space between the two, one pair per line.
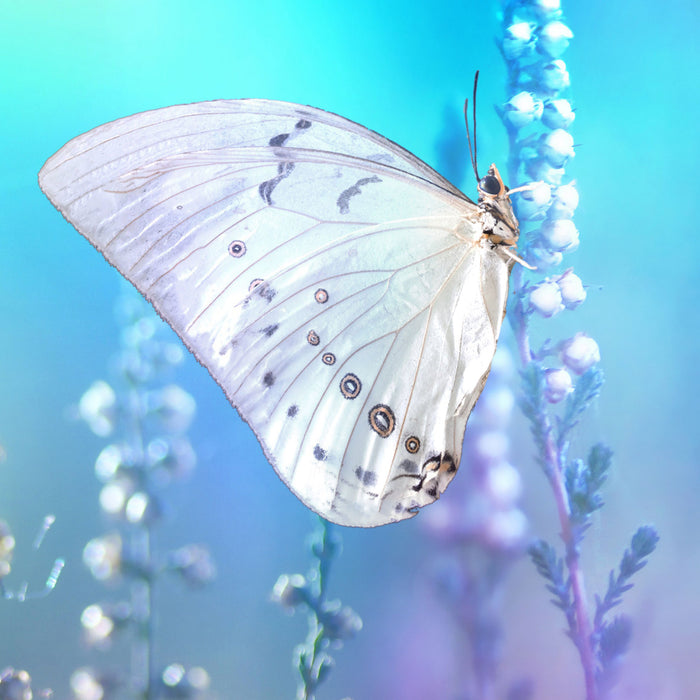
265,291
409,466
292,410
268,379
302,124
319,453
367,477
269,330
352,191
278,140
284,169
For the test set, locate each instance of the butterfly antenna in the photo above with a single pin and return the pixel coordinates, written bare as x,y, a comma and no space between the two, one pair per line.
472,150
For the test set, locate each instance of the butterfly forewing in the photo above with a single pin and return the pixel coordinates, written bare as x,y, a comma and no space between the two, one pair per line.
336,287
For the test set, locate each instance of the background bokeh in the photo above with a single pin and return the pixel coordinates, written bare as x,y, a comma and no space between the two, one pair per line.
403,69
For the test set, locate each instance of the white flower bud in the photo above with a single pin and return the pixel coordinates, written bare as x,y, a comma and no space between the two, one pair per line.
555,76
557,114
557,147
580,353
572,292
532,204
518,40
564,202
560,234
545,299
547,7
521,109
540,169
558,385
544,258
554,38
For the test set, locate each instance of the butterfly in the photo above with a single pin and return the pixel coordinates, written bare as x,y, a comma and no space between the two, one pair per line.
346,297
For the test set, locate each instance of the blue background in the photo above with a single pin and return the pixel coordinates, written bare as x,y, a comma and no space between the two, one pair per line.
402,69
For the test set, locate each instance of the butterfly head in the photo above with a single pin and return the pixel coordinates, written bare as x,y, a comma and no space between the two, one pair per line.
499,222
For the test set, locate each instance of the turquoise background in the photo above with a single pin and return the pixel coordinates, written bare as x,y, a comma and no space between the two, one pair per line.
403,69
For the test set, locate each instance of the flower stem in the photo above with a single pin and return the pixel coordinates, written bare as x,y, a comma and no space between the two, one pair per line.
582,633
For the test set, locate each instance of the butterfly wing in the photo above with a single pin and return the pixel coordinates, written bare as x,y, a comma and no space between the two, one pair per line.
337,288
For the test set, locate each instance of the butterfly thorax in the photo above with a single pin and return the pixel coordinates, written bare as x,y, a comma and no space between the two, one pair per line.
499,224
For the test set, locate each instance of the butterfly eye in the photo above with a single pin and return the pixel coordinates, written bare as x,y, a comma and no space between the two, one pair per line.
490,185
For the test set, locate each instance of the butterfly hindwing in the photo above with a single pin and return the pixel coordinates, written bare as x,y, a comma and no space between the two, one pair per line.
336,287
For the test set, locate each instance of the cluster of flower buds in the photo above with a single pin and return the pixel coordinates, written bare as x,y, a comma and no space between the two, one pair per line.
136,468
17,685
7,548
330,622
482,506
146,418
176,681
89,684
538,117
293,591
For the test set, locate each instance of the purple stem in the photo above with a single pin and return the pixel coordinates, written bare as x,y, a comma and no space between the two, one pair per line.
554,473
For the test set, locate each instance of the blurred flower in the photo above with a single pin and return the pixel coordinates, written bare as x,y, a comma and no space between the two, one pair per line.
113,496
503,484
572,291
506,528
580,353
85,685
290,591
178,682
7,548
88,684
108,463
194,563
100,621
496,407
554,38
557,114
339,623
560,234
545,299
143,508
139,331
173,406
103,556
15,685
558,385
98,408
490,446
170,459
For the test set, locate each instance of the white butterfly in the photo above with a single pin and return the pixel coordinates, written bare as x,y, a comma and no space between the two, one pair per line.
345,296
